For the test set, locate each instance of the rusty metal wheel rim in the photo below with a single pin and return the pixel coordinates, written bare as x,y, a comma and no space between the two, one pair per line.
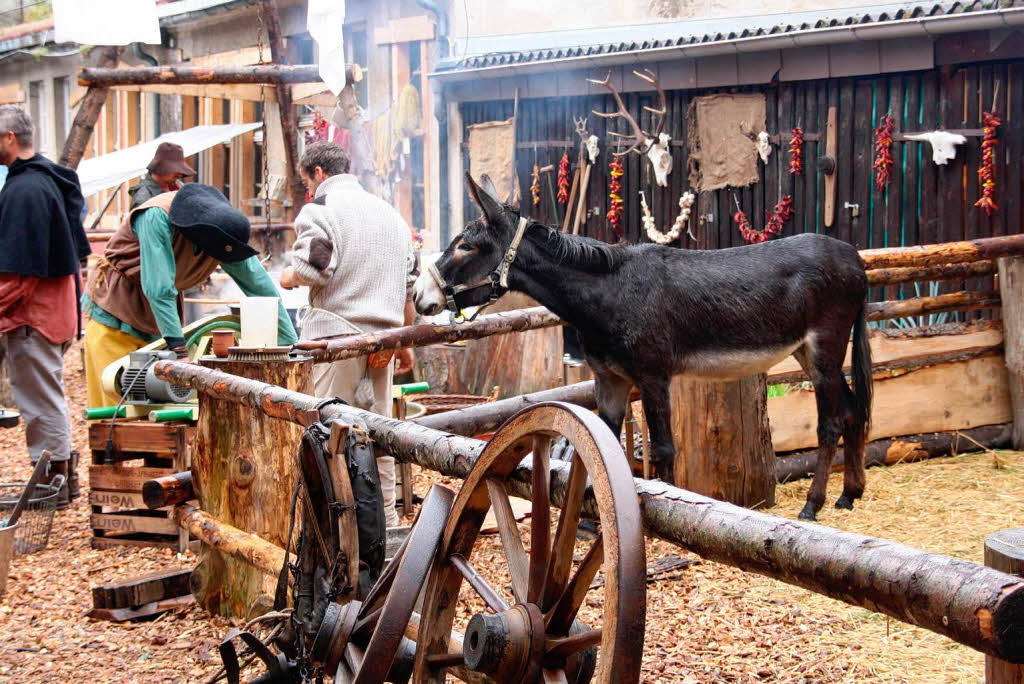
609,493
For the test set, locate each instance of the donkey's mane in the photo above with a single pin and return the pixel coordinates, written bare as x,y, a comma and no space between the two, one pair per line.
575,250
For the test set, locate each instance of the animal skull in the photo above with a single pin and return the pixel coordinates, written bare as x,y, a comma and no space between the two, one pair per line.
661,158
592,149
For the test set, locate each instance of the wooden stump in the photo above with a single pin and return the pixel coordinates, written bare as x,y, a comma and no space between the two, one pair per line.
1011,291
6,396
1004,550
244,474
723,444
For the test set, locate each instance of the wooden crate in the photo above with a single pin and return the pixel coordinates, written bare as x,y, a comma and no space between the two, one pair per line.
141,451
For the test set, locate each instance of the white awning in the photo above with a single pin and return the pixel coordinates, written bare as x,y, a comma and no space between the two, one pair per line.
110,170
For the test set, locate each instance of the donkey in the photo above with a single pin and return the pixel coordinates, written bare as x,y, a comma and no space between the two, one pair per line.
646,312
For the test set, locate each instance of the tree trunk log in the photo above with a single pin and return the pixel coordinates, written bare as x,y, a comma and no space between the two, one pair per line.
956,301
1011,286
723,444
251,550
284,104
943,253
88,113
973,605
270,74
6,395
244,473
916,274
901,450
168,490
1004,551
919,361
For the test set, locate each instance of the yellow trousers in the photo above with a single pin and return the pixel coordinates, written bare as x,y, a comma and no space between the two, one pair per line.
103,346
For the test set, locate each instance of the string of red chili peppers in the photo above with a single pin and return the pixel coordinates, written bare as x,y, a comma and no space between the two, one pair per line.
563,179
796,152
614,215
987,170
883,152
780,215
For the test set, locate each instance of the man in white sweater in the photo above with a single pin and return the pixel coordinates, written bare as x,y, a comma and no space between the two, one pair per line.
354,252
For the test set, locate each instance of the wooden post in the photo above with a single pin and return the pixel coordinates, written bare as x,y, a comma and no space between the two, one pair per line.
289,125
85,119
244,473
1004,550
1011,289
723,444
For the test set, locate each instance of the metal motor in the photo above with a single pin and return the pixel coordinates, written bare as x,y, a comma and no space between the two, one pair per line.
143,387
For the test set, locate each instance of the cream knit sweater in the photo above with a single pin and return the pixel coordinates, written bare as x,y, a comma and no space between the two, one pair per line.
358,251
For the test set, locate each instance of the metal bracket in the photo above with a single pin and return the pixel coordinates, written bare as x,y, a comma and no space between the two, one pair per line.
854,208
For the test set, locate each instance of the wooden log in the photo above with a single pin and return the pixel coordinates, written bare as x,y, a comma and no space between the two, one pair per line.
901,450
723,444
1004,551
1011,287
289,125
154,586
168,490
241,482
969,603
88,113
916,274
352,346
253,551
183,74
944,253
955,301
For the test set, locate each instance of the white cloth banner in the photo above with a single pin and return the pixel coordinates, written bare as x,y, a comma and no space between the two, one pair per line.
105,22
325,21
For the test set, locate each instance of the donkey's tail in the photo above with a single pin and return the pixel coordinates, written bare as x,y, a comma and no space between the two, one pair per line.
862,377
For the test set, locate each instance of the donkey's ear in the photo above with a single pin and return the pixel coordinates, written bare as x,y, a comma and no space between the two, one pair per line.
488,186
488,204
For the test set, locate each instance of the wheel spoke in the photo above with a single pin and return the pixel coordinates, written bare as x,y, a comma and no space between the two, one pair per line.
379,591
565,534
365,625
555,676
565,646
540,522
491,597
445,659
564,611
511,542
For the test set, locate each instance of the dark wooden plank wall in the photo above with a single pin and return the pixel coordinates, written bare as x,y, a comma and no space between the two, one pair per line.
925,203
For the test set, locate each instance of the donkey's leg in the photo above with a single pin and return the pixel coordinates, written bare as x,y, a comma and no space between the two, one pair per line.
827,393
854,436
654,391
611,391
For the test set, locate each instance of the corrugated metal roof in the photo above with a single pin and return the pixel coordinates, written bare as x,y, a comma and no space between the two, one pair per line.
508,50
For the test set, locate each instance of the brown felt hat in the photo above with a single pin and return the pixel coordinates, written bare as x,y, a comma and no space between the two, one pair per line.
170,159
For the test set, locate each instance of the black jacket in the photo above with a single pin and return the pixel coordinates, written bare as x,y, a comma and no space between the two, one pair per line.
41,231
146,190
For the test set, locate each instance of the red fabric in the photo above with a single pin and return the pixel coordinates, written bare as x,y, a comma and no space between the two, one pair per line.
46,304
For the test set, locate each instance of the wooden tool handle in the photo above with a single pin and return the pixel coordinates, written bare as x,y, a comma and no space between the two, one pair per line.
30,488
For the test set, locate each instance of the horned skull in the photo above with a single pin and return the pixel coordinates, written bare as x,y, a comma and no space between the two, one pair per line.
661,158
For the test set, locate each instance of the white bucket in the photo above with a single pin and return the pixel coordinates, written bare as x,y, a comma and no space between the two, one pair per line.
259,322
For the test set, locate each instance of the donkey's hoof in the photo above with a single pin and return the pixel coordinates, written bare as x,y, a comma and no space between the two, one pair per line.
845,502
808,513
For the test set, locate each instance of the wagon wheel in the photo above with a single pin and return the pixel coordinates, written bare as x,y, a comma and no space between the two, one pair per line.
530,636
362,642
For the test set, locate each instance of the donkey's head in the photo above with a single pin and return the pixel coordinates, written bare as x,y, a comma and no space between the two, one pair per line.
467,272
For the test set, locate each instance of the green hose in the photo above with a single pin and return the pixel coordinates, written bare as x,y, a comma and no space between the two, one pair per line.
103,412
215,325
167,415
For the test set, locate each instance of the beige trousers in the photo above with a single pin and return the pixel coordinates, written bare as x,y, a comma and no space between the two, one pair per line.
340,379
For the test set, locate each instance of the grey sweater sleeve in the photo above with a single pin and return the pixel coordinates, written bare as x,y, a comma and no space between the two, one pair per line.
314,256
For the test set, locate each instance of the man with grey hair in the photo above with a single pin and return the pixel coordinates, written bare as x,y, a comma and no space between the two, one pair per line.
41,244
354,251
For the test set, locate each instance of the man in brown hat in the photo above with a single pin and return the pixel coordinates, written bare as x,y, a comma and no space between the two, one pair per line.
165,173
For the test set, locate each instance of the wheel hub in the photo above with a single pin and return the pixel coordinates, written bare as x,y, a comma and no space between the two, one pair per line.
506,646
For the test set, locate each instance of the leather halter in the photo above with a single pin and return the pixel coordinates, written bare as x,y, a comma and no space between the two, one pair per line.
496,280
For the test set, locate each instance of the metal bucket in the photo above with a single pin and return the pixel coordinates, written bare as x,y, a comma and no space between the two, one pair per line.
6,553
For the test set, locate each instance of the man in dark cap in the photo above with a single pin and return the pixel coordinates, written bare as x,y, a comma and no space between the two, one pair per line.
169,244
166,172
41,244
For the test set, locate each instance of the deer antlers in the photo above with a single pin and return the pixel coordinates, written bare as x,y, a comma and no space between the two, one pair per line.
642,140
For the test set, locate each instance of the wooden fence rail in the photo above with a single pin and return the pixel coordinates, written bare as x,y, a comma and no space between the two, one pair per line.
971,604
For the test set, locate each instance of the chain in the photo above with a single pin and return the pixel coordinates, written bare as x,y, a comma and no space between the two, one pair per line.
263,112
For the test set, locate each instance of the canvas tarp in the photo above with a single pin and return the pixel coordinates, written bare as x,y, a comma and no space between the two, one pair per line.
723,129
492,150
